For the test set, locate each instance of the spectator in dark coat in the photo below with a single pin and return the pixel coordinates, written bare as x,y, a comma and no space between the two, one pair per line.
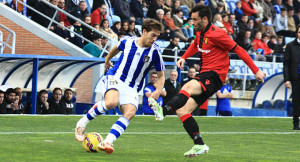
168,51
55,104
2,103
122,9
172,87
136,7
153,7
79,12
66,100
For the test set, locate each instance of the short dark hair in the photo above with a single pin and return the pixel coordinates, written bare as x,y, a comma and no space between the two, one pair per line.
283,9
154,72
42,92
68,90
55,89
273,37
10,90
264,35
151,24
203,11
2,92
102,22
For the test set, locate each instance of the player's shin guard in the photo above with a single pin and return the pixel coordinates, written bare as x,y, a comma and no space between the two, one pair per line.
98,109
191,127
117,129
177,102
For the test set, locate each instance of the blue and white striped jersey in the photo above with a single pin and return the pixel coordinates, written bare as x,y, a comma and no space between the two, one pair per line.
135,62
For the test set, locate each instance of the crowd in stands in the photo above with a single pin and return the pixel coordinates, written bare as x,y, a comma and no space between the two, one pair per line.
12,101
259,26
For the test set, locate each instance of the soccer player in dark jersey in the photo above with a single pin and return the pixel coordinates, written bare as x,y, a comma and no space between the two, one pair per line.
212,44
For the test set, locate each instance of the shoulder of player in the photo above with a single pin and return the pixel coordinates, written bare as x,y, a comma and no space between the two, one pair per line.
216,32
156,47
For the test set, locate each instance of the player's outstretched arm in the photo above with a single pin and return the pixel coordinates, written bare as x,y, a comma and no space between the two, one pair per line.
188,53
160,84
112,53
260,75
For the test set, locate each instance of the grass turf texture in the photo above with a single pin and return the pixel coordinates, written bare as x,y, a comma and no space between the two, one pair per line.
148,140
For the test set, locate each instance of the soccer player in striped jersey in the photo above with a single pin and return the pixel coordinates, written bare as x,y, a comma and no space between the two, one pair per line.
123,82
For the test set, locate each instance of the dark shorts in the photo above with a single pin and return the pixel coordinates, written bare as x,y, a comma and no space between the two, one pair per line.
210,82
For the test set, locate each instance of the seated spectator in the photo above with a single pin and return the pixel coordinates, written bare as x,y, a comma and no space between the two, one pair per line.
125,27
17,105
238,10
42,106
277,48
104,28
227,25
122,9
170,23
148,90
168,51
257,6
70,5
63,17
168,33
246,44
79,12
268,28
10,97
172,88
178,21
55,104
248,9
136,7
217,21
235,28
61,31
291,21
76,40
189,27
242,25
104,41
168,6
2,103
190,63
176,7
19,95
98,14
68,95
189,4
132,31
220,9
251,27
281,24
259,44
278,6
191,75
153,7
116,27
120,35
92,49
87,32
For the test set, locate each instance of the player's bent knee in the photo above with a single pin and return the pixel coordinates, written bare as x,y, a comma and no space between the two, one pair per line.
111,104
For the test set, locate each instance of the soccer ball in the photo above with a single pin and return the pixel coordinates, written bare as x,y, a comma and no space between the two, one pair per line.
91,142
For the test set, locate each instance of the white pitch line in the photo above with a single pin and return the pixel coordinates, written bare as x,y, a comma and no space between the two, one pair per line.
137,133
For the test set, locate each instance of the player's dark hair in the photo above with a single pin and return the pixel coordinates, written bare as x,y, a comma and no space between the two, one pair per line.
203,11
2,92
42,92
68,90
151,24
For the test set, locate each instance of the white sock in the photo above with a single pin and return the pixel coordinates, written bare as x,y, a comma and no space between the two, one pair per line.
117,129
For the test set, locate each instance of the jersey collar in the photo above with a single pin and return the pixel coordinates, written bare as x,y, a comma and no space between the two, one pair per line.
206,29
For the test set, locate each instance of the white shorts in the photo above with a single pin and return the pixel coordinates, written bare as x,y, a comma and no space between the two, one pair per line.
127,95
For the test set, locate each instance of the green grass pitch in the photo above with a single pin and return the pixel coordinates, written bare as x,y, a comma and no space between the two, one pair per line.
51,138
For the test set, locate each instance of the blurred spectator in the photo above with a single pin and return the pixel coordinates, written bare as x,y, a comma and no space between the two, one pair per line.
136,7
238,10
176,6
125,27
170,23
268,28
150,88
251,27
172,88
189,3
79,12
153,7
42,106
217,20
223,103
98,14
260,46
47,11
120,35
227,25
2,103
168,33
267,10
187,31
122,9
63,17
104,42
132,30
191,75
61,31
76,27
291,21
116,27
92,49
220,9
168,6
169,50
55,104
104,28
17,105
278,6
30,3
70,5
189,26
277,48
242,25
248,9
87,32
190,63
257,6
19,95
10,97
270,6
281,24
234,26
66,100
246,44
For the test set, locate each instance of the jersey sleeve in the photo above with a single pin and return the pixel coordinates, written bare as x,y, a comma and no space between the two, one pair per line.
147,89
158,61
122,42
225,42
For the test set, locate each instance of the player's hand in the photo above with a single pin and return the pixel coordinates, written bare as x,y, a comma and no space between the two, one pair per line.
260,75
180,63
288,84
107,65
155,94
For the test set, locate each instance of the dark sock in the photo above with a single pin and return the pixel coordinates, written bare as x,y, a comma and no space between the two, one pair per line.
177,102
191,127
